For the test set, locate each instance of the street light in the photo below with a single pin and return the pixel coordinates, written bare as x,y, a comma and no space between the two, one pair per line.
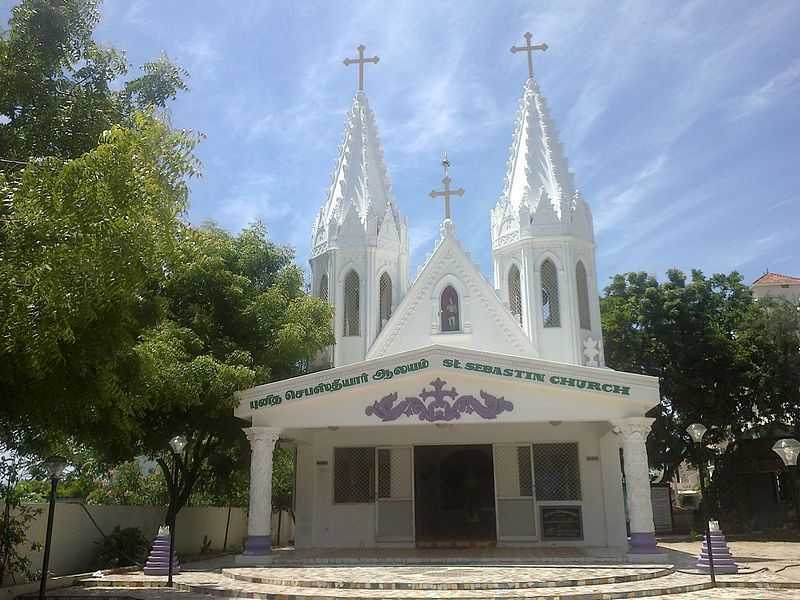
697,431
178,443
789,449
54,466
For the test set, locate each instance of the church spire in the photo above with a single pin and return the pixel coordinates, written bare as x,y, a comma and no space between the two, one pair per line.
538,189
359,201
359,242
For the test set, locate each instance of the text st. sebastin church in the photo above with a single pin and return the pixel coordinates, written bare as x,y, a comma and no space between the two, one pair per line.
457,412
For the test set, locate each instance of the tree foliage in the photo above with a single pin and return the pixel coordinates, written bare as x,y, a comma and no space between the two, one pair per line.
15,519
82,244
236,316
721,358
59,89
93,181
121,325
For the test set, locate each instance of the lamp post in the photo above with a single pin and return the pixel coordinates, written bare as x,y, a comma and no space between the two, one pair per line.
178,443
789,449
54,466
697,431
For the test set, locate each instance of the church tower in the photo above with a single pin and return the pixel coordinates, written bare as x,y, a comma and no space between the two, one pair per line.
543,247
359,246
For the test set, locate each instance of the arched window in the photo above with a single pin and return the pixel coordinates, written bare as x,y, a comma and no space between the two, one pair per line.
449,310
551,313
385,302
351,304
583,296
515,293
323,288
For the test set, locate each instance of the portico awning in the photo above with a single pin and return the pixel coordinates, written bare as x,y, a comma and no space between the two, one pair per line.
443,383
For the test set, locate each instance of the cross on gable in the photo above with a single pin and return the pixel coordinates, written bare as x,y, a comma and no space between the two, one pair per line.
447,192
360,61
529,49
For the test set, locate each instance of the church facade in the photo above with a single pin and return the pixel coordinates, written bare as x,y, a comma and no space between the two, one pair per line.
457,412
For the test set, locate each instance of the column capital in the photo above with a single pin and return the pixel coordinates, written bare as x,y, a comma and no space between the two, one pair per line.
632,427
256,435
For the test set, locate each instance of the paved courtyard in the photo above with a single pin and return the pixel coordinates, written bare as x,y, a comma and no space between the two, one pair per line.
770,571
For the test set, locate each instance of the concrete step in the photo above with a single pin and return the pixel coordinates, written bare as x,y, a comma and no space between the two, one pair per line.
220,586
444,577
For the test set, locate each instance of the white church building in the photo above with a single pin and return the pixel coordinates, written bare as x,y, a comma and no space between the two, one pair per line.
457,413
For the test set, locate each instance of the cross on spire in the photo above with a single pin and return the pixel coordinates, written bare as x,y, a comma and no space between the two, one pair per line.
360,62
529,49
447,191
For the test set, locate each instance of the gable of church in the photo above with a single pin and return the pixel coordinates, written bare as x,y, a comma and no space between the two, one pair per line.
451,303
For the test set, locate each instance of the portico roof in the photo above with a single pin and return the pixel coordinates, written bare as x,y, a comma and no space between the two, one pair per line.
444,383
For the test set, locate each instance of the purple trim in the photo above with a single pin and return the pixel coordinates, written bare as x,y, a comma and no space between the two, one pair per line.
439,409
257,545
643,543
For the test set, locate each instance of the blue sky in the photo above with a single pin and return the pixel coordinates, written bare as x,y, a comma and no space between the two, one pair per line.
681,121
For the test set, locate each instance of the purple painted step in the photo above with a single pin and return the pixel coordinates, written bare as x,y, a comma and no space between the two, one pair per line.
723,560
158,561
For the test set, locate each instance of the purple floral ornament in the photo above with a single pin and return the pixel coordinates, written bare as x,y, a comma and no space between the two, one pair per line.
439,409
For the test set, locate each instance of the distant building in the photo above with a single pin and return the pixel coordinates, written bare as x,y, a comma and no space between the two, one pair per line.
777,286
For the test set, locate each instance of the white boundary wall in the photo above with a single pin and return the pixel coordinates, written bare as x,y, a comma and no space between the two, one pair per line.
75,537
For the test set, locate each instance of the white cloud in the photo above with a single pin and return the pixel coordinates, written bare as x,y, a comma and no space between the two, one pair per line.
774,90
252,197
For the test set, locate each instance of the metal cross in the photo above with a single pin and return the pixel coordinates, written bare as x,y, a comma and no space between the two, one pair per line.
360,62
529,49
447,191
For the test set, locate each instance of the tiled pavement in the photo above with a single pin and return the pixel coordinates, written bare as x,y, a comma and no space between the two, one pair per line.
573,573
452,583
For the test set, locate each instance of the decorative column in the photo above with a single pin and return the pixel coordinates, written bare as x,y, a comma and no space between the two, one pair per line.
633,432
262,443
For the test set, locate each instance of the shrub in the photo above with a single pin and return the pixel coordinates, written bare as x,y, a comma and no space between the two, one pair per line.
124,547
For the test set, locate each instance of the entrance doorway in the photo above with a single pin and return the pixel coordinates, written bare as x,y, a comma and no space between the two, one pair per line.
454,496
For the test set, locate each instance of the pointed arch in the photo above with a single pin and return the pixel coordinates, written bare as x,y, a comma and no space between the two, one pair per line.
515,292
449,310
385,300
551,304
323,287
352,292
583,296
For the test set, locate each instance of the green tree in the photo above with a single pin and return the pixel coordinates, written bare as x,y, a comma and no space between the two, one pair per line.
708,342
59,88
82,244
237,315
15,519
92,186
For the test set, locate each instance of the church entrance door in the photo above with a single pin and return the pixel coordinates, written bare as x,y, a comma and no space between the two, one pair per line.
454,496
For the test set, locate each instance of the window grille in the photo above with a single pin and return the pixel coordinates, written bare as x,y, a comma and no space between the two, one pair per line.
449,310
385,302
551,312
323,288
515,293
351,304
583,296
557,471
353,475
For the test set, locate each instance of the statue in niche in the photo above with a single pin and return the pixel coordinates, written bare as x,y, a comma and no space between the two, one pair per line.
449,310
